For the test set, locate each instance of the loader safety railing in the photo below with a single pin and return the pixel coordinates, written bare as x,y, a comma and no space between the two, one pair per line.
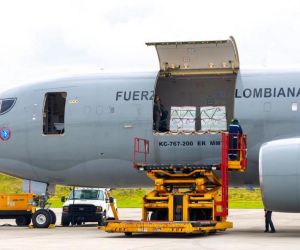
233,157
141,147
237,150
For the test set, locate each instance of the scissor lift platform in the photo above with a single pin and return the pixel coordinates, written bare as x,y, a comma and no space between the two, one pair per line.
189,198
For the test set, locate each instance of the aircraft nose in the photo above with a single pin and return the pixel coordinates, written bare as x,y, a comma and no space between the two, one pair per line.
8,102
13,149
9,119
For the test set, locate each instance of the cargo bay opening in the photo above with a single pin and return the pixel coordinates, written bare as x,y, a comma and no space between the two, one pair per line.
195,85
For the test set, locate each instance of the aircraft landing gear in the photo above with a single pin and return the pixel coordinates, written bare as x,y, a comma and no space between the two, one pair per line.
43,217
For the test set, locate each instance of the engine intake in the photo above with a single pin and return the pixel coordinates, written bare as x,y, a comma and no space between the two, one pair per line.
279,174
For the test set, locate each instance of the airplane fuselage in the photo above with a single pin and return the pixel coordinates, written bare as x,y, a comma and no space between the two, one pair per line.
103,115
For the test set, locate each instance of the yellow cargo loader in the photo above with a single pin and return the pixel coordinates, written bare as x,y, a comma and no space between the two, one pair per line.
186,199
17,206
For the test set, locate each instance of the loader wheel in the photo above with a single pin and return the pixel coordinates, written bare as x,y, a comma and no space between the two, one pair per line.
41,218
23,221
53,217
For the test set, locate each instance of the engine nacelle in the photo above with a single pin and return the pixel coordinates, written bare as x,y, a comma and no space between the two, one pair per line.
279,175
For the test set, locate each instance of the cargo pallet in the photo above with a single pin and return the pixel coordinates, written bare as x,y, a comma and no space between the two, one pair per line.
189,198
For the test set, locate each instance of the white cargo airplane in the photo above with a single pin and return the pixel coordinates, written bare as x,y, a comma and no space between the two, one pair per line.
80,130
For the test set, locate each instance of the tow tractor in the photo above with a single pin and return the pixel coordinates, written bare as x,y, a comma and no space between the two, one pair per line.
20,207
187,198
23,208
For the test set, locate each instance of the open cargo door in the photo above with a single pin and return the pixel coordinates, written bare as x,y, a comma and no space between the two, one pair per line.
198,57
196,85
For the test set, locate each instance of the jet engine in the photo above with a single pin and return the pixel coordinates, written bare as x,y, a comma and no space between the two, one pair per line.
279,174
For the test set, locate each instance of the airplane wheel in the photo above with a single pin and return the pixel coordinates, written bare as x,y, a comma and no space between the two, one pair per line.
53,217
41,218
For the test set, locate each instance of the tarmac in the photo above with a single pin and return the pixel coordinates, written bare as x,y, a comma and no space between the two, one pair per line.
248,233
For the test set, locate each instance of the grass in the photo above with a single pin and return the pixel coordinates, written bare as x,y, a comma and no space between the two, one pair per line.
10,184
244,198
238,197
132,198
60,191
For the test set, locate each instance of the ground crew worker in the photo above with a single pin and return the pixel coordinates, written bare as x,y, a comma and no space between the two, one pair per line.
269,222
157,113
235,130
163,127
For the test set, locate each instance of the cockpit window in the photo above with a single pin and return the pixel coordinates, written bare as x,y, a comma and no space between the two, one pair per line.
6,105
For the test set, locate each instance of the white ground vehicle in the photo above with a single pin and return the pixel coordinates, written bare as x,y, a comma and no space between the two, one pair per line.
87,205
